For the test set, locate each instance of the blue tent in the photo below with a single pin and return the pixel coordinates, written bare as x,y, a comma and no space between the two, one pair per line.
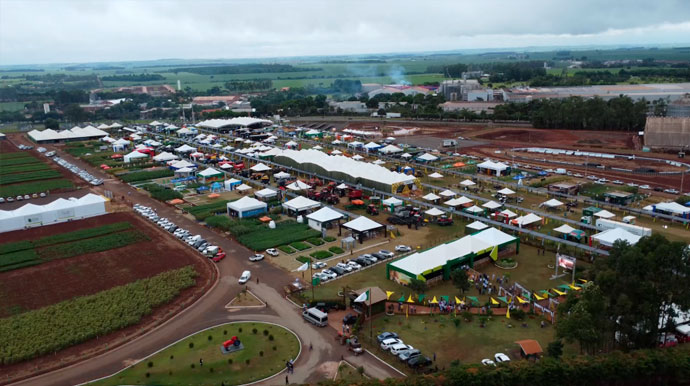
201,189
518,177
216,187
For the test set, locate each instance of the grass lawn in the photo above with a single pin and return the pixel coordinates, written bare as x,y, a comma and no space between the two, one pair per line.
348,373
467,343
179,363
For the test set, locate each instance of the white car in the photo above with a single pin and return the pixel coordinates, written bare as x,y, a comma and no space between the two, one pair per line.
578,175
645,187
246,275
388,343
402,248
318,264
386,253
330,274
256,257
272,251
344,266
500,358
41,149
618,182
321,276
488,362
354,264
400,348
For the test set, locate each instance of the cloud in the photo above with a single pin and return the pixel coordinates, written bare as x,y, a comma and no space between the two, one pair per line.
33,31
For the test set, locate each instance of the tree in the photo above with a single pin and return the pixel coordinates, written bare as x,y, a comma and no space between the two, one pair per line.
51,123
418,286
75,114
460,280
555,349
585,321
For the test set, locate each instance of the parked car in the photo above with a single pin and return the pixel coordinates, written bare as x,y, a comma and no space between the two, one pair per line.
321,276
219,256
399,348
363,261
371,258
379,256
338,271
344,267
386,335
246,275
390,342
419,362
355,265
409,354
330,274
318,264
645,187
402,248
272,252
256,257
488,362
501,358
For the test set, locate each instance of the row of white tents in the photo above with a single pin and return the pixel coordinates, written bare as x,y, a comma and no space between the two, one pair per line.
60,210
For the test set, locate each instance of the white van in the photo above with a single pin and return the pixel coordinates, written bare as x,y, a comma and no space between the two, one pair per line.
246,275
316,317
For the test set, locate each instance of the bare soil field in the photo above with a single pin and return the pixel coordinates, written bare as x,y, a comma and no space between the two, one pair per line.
582,139
58,280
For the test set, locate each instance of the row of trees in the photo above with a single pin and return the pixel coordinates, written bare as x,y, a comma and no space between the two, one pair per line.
249,85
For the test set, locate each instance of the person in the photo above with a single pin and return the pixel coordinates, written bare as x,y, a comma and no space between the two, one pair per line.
201,362
434,357
257,280
286,380
311,346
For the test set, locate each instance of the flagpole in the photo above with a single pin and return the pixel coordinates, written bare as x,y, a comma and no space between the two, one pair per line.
371,328
311,272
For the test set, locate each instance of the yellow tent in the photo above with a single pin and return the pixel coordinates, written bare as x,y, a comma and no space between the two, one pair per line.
494,253
508,313
561,293
539,297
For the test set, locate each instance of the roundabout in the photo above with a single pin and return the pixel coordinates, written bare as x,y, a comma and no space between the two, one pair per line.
201,358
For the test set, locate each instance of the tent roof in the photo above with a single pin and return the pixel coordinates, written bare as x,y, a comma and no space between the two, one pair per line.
182,164
508,213
185,149
565,229
238,121
266,192
427,157
165,156
474,209
362,224
281,175
376,294
434,212
298,185
244,187
552,203
494,236
530,346
672,207
208,172
390,149
610,236
448,193
342,186
325,214
301,203
604,214
184,170
478,225
392,201
431,197
136,154
496,166
506,191
528,219
246,203
462,200
467,183
372,145
436,175
492,205
260,167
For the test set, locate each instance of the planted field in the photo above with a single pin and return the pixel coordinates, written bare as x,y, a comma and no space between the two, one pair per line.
34,333
146,175
7,179
35,187
266,349
161,193
201,212
284,233
14,161
30,167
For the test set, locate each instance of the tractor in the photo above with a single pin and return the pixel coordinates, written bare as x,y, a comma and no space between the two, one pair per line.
234,341
372,210
354,194
444,221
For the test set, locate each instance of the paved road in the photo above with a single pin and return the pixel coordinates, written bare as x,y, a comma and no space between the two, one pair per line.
210,309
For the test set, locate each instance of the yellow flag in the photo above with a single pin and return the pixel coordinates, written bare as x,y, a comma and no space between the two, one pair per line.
409,300
538,297
388,294
559,292
494,253
494,302
508,313
574,287
433,301
521,300
457,301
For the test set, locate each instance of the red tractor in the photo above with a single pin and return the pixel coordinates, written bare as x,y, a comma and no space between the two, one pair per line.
372,210
234,341
239,166
312,194
354,194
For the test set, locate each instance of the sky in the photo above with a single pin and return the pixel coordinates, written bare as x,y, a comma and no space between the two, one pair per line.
77,31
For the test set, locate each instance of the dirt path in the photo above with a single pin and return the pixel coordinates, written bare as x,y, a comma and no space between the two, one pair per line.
210,309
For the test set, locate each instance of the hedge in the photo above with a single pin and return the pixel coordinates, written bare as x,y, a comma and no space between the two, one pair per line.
303,259
145,175
286,248
16,154
35,187
336,250
201,212
329,239
19,161
49,329
300,246
257,236
29,176
321,255
161,193
64,237
315,241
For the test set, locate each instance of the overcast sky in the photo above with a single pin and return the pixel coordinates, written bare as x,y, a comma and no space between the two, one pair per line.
72,31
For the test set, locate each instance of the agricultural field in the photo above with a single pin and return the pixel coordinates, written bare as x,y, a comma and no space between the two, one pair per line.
257,236
21,173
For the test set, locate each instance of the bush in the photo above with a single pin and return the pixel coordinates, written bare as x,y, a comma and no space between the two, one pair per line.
246,361
35,187
286,248
328,239
191,344
336,250
315,241
201,212
321,255
303,259
230,361
33,333
161,193
467,316
300,246
517,314
254,331
270,337
210,338
29,176
261,353
150,364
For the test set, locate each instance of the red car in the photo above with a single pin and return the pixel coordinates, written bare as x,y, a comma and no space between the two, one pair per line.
219,256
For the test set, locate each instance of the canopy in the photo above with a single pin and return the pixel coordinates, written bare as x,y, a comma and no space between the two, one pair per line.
527,219
362,224
185,149
184,170
165,156
317,147
434,212
610,236
226,166
298,185
565,229
301,203
467,183
281,175
604,214
671,207
448,193
491,165
436,175
379,162
135,155
474,209
390,149
182,164
266,193
260,167
506,192
244,187
325,214
462,200
477,225
246,203
427,157
337,152
210,172
355,157
492,205
508,213
342,186
406,155
552,203
431,197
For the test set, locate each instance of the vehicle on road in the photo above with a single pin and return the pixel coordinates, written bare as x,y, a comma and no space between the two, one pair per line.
246,275
272,252
256,257
402,248
316,317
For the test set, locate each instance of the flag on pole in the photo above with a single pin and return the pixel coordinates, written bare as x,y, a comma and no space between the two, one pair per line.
494,253
409,299
303,267
458,301
494,302
363,297
521,300
388,294
508,313
538,297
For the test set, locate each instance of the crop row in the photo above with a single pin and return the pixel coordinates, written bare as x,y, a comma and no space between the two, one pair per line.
23,168
16,154
146,175
35,187
29,176
77,320
19,161
161,193
201,212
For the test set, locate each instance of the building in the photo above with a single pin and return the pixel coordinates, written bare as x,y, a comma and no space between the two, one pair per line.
60,210
618,197
679,108
349,106
214,100
156,90
74,134
399,88
228,125
246,207
464,89
475,107
667,133
564,188
670,91
324,219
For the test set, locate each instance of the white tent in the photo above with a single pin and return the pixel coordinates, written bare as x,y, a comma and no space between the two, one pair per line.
497,167
155,123
183,171
362,224
467,183
604,214
372,146
210,172
246,207
185,131
182,164
231,183
291,144
492,205
462,200
427,157
322,216
260,167
164,157
266,193
506,192
317,147
336,152
434,212
431,197
378,162
134,155
607,238
226,166
300,204
448,193
528,219
477,226
356,157
281,175
392,201
565,229
436,175
60,210
474,209
185,149
406,155
670,207
244,188
102,126
298,185
508,213
552,203
390,149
